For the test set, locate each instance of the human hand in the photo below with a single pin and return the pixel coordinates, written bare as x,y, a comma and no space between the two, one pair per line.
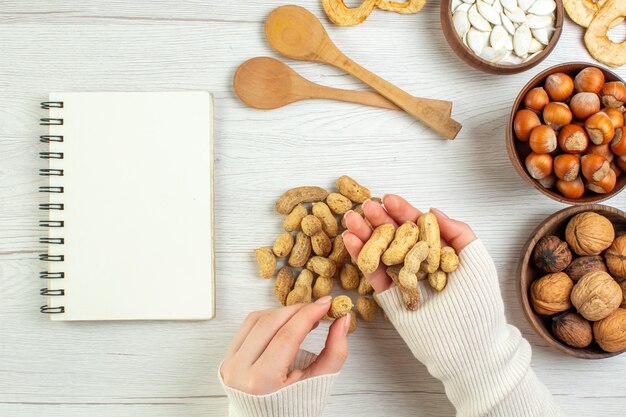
259,359
396,211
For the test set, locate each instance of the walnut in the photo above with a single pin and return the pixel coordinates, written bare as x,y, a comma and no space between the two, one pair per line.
616,257
551,294
551,254
589,233
572,329
622,284
596,295
610,332
583,265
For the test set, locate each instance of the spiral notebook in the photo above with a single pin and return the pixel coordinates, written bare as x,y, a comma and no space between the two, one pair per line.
130,209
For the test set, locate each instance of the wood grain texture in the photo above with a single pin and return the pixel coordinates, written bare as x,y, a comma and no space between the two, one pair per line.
166,368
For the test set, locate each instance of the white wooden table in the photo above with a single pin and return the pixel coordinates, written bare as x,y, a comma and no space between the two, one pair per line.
169,368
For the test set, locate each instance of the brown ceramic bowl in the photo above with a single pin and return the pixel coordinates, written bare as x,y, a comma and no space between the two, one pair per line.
518,151
527,273
467,55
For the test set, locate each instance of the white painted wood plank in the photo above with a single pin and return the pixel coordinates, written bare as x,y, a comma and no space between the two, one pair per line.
166,368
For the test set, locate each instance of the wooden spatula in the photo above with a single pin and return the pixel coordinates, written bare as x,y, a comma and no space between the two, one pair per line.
267,83
297,34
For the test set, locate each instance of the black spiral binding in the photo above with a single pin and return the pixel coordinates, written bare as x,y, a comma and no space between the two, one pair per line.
51,172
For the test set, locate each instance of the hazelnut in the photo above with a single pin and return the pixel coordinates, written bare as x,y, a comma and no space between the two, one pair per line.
615,257
572,329
525,121
551,254
571,189
596,295
550,294
559,86
583,265
605,185
589,233
557,115
610,333
536,99
573,139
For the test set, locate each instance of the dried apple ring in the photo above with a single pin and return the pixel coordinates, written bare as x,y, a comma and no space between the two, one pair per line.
342,15
406,7
582,11
596,39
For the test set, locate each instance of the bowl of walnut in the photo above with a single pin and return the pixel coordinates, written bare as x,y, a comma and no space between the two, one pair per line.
572,281
566,133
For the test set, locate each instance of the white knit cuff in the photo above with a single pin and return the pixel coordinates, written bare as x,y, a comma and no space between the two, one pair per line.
305,398
461,335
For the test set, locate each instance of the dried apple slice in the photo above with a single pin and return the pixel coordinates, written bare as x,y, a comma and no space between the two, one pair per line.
342,15
596,39
582,11
406,7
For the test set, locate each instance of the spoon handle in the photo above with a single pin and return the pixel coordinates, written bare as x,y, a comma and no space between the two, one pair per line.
370,98
428,115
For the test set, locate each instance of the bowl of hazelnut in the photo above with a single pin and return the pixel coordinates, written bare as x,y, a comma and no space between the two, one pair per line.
566,133
572,281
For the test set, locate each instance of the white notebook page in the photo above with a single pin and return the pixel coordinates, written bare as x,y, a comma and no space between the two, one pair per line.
138,208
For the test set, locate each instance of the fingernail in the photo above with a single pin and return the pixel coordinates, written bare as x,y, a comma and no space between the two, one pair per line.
366,201
343,235
345,216
324,300
444,215
346,323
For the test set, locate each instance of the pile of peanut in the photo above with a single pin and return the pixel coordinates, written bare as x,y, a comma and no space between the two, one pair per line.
411,253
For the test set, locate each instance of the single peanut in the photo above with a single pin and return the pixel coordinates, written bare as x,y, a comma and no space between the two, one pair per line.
404,239
321,266
340,306
298,195
369,258
321,244
429,232
338,203
301,292
282,285
438,280
283,244
349,277
352,189
449,260
339,251
323,286
311,225
301,251
367,308
267,262
329,223
292,220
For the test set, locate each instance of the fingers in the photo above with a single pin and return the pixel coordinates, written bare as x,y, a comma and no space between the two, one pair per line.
376,214
332,357
268,323
243,332
399,209
353,245
456,233
284,345
378,279
356,224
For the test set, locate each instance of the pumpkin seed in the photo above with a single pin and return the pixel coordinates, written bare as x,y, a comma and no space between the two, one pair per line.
498,36
461,22
488,12
536,22
542,7
521,40
477,20
525,4
509,5
476,40
517,16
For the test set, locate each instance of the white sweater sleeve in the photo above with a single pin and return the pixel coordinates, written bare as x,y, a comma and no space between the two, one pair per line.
461,335
305,398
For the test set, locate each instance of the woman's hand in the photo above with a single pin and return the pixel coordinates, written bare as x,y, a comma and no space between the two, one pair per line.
396,211
258,361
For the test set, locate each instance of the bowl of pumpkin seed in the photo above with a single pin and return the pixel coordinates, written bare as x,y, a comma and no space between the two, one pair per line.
502,36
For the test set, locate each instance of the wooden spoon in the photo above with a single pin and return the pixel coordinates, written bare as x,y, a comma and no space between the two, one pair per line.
297,34
267,83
